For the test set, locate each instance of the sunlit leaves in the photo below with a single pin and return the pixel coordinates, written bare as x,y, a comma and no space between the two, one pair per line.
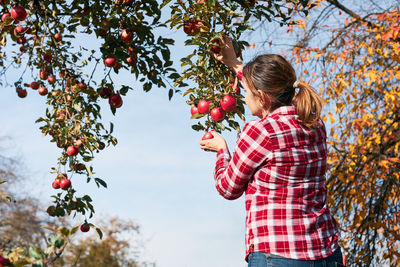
358,67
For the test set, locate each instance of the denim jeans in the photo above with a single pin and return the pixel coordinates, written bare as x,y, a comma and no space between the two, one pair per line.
261,259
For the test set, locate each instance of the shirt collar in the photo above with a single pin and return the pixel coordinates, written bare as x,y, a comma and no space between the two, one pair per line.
283,110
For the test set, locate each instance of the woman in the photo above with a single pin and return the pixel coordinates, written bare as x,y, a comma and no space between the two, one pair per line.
280,163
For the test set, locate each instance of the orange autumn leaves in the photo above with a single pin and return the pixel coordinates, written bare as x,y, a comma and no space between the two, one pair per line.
359,73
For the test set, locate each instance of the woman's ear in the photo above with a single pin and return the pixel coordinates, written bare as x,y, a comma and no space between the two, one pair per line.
265,100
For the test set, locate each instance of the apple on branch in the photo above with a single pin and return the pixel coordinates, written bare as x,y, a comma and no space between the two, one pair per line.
65,183
194,110
21,92
18,13
228,103
5,16
110,61
72,150
203,106
57,37
43,91
85,227
217,114
115,101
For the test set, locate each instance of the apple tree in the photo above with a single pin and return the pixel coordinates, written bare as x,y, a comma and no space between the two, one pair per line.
40,37
43,41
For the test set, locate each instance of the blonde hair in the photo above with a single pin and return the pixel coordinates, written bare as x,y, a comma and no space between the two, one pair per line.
274,76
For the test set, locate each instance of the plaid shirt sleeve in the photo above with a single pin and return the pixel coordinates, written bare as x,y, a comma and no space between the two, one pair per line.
232,174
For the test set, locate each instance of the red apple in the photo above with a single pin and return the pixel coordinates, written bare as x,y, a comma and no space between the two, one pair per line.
217,114
101,145
72,150
192,27
21,40
115,101
62,175
79,166
237,89
34,85
131,60
187,28
105,92
27,30
43,75
228,103
58,37
55,93
22,49
110,61
194,110
203,106
47,57
22,93
43,90
85,227
18,12
126,36
65,183
207,136
56,184
80,142
18,31
216,48
5,16
51,79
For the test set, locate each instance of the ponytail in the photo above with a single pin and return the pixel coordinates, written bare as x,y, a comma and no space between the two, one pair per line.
308,105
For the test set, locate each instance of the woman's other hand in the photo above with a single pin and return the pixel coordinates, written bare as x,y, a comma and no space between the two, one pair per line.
213,144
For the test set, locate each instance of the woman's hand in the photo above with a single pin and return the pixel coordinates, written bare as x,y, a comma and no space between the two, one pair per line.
213,144
227,54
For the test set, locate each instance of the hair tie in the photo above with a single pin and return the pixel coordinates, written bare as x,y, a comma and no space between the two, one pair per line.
296,84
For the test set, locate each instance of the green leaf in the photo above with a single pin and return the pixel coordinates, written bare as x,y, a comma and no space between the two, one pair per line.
124,90
100,181
59,242
99,232
111,127
73,230
197,116
38,263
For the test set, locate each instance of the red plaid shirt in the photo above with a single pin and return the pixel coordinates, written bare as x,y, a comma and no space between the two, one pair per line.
281,165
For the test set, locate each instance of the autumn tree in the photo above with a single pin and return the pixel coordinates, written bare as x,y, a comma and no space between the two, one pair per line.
118,248
351,49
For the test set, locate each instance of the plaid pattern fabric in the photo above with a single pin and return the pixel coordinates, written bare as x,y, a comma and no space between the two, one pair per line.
281,165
